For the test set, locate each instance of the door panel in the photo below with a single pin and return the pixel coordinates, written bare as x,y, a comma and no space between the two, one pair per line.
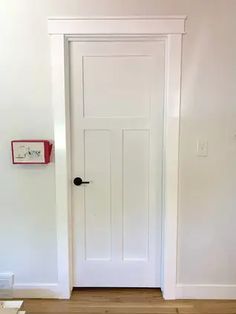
120,85
117,94
135,194
97,195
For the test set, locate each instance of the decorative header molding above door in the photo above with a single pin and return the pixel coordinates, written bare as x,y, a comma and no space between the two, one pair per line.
117,25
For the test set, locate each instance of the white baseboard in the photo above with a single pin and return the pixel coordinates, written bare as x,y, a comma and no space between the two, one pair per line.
36,290
185,291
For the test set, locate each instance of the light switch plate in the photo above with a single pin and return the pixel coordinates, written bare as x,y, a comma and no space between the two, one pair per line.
202,148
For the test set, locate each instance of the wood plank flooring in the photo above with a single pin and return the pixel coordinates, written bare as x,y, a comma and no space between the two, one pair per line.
122,301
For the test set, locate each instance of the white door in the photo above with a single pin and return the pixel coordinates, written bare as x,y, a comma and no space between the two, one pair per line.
117,95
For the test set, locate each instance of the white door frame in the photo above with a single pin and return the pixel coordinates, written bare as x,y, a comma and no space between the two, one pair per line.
63,30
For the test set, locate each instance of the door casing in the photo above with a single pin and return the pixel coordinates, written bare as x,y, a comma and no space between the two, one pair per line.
63,30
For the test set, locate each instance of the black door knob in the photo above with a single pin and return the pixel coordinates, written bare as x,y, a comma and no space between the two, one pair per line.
79,181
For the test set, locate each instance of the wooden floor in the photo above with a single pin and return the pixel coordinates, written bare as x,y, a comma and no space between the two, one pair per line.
121,301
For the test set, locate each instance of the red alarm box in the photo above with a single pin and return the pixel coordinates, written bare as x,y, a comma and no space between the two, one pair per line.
31,151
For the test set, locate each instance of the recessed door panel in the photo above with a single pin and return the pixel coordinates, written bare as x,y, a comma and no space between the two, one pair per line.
135,194
120,91
97,195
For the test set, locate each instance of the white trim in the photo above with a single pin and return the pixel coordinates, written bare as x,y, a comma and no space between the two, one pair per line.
120,17
117,25
204,291
171,163
62,30
36,290
62,161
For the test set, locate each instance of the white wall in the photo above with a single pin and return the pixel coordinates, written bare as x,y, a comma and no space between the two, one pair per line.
207,215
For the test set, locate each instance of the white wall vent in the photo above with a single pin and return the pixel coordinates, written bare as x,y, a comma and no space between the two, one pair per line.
6,285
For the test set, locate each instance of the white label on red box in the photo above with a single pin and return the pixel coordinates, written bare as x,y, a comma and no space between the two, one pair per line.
26,152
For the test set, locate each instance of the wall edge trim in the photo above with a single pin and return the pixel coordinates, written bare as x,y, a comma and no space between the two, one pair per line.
37,290
206,291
